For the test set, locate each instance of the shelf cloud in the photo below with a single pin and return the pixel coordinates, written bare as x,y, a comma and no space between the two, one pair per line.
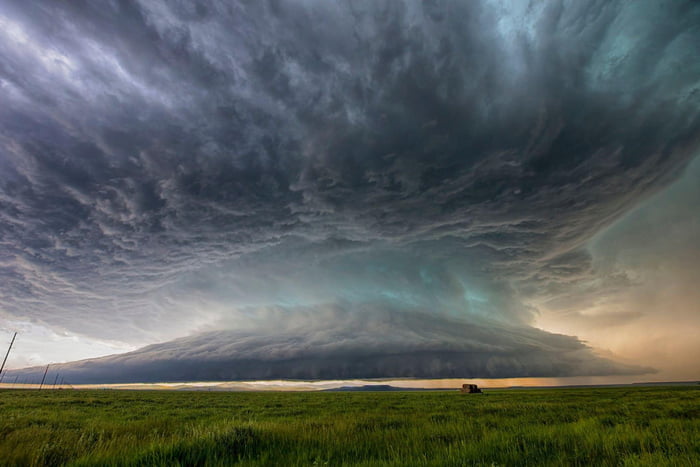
337,189
349,343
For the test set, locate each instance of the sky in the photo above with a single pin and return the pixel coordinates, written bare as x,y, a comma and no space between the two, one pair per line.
337,190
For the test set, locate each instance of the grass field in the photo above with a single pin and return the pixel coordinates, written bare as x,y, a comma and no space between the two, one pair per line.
610,426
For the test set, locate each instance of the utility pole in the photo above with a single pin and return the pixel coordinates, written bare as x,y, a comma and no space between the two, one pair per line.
42,379
5,359
55,380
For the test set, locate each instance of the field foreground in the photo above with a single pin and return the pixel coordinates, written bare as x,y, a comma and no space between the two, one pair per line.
610,426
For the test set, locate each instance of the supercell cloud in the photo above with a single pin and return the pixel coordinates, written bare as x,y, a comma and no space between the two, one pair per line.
322,189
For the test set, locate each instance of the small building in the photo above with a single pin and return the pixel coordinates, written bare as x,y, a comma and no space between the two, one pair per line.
470,389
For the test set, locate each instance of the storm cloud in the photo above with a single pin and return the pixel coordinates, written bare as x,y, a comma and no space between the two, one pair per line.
170,169
348,342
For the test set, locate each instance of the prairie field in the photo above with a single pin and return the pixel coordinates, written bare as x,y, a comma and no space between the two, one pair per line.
582,426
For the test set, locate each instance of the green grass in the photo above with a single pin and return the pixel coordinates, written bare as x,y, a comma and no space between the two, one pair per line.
610,426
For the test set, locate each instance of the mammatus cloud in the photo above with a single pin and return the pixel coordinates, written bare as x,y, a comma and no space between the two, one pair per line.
171,168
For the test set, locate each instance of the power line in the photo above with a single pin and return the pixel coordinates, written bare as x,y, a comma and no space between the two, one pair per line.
42,379
5,359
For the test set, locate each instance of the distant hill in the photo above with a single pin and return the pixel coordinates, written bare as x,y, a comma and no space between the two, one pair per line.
372,387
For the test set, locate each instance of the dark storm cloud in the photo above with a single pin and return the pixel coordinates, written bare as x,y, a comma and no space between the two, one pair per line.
354,343
166,166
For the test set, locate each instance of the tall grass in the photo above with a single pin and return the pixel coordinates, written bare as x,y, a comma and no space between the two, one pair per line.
611,426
